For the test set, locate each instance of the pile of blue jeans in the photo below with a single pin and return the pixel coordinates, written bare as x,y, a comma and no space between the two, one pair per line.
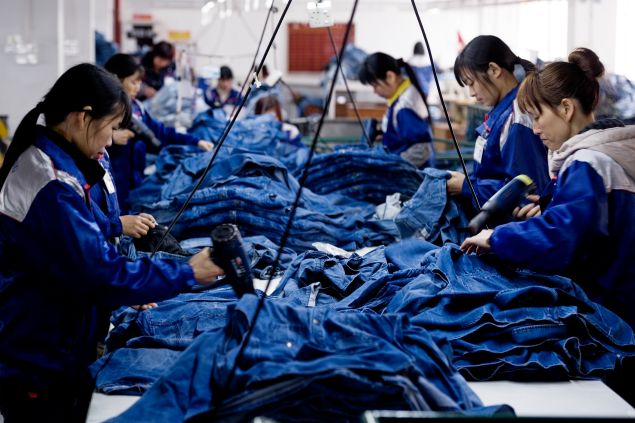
296,364
500,323
258,134
255,192
506,323
365,174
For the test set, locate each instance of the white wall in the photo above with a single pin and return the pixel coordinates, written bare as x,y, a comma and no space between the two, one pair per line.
593,25
104,18
22,86
625,36
79,32
47,23
533,28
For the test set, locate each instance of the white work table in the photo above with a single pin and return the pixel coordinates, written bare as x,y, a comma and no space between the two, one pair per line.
588,398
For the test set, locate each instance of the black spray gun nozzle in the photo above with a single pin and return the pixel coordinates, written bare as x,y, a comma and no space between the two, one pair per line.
229,254
501,204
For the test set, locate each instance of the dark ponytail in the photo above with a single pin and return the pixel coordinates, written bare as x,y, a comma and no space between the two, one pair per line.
22,139
415,82
474,59
80,86
525,64
376,66
577,78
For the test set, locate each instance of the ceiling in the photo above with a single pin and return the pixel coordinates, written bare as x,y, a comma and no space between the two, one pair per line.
197,4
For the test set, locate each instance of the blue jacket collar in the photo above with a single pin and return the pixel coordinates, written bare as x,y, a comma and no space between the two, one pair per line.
68,157
501,110
503,105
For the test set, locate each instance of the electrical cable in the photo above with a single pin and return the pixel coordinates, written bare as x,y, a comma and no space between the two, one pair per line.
445,110
216,150
247,28
275,47
283,240
226,130
348,90
253,63
220,36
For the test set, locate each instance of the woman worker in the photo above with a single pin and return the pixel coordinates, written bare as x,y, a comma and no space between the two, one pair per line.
506,146
58,270
586,232
128,155
406,124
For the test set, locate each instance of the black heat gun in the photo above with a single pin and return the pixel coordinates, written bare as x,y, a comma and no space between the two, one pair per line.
230,255
501,204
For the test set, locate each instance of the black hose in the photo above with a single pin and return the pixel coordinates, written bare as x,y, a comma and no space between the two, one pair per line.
445,110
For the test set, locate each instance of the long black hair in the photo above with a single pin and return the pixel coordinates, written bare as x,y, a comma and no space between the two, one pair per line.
376,66
474,59
124,65
80,86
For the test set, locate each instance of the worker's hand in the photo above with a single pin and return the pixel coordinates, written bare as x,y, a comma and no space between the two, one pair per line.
205,145
137,225
144,306
478,243
455,183
529,210
148,91
122,136
205,270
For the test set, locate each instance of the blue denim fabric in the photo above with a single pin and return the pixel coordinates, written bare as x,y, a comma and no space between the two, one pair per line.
238,165
260,134
173,323
131,371
362,173
338,277
295,360
500,322
263,253
408,253
430,214
256,193
351,62
171,326
506,323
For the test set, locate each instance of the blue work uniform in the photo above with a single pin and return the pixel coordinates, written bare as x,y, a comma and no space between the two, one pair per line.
214,100
104,195
586,232
153,78
129,161
58,271
506,147
406,121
